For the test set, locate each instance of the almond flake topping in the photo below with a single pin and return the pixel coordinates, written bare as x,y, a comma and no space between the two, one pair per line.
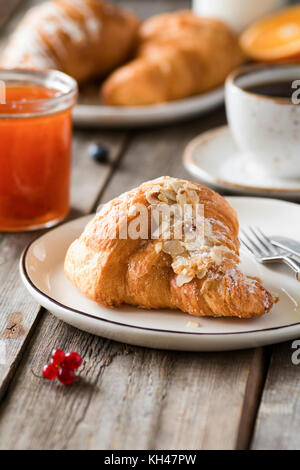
200,244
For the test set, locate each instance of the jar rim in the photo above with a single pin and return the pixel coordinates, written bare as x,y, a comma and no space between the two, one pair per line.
52,79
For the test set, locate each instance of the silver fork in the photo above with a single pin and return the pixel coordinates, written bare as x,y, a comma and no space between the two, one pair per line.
261,247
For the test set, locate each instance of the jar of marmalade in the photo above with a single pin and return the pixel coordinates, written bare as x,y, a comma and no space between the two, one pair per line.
35,148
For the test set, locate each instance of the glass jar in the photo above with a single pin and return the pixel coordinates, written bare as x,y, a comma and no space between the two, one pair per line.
35,148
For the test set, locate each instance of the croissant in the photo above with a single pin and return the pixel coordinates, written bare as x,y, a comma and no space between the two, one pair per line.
179,55
190,264
83,38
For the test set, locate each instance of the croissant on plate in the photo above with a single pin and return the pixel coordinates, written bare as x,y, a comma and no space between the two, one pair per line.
83,38
179,55
169,243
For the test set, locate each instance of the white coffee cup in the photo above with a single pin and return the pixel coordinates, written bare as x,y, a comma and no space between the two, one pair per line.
236,13
266,129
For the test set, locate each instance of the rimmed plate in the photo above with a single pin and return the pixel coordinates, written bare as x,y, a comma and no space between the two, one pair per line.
214,159
166,113
41,268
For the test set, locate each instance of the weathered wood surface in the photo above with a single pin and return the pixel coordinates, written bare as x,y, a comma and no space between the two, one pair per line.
87,181
146,8
7,8
128,397
278,423
13,296
19,312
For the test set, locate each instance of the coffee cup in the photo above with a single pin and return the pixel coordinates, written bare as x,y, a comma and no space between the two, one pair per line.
263,111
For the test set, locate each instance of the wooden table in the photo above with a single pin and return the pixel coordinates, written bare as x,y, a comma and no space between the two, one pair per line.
131,397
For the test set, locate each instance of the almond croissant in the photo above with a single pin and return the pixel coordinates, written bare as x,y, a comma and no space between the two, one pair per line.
190,264
83,38
179,55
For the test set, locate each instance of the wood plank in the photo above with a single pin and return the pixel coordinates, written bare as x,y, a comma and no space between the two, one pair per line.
19,312
88,179
144,9
254,389
158,151
127,397
130,397
13,11
7,8
278,424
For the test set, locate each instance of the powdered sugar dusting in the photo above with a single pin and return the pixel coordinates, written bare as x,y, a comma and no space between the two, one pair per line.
202,244
251,284
92,24
43,24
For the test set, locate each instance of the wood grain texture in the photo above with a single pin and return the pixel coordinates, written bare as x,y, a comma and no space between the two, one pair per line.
88,178
146,8
7,8
253,392
157,152
126,397
278,423
129,397
18,310
13,11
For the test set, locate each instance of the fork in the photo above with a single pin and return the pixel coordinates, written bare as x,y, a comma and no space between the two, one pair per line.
261,247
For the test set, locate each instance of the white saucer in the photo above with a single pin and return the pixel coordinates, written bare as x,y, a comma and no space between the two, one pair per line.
88,114
41,269
214,158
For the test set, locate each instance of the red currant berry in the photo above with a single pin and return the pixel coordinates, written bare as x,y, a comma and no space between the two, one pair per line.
50,372
66,376
58,356
72,360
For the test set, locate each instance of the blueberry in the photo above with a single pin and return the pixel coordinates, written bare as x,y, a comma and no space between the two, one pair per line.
99,153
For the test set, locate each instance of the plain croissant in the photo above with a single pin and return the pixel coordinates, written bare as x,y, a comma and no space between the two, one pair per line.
197,273
179,55
83,38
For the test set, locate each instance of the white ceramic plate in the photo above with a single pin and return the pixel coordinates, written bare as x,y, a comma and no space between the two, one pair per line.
114,116
42,273
214,158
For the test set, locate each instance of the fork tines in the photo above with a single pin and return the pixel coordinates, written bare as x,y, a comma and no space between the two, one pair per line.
257,242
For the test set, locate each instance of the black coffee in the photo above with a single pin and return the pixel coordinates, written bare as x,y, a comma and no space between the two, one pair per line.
274,90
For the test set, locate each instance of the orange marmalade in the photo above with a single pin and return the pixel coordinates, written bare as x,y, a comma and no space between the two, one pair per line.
35,152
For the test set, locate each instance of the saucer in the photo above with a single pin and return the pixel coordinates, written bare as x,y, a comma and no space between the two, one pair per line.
213,157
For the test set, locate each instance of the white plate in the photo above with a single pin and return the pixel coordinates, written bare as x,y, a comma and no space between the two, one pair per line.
214,158
114,116
42,273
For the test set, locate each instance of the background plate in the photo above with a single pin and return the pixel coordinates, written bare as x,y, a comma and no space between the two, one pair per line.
87,114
